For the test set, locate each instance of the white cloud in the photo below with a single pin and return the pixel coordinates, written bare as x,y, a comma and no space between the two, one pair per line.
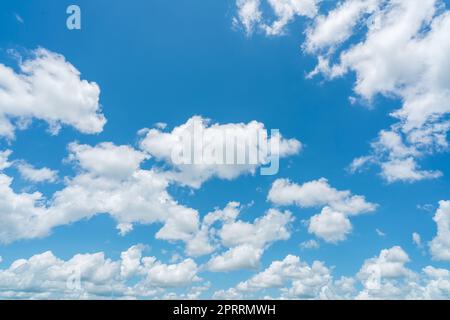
204,242
94,276
193,293
384,276
239,257
124,228
317,193
274,225
4,155
358,164
337,25
90,276
110,181
380,232
153,273
46,276
247,241
397,49
401,55
440,245
294,279
391,143
22,214
307,280
30,173
250,14
208,137
106,159
174,275
227,214
48,88
428,207
437,285
229,294
406,170
19,18
131,261
390,264
310,244
286,10
417,240
200,243
160,125
331,226
387,277
397,161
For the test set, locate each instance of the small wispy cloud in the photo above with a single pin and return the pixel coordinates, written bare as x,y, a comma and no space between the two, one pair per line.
426,207
19,18
380,233
417,240
310,244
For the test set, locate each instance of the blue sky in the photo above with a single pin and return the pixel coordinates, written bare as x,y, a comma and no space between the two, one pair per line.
158,61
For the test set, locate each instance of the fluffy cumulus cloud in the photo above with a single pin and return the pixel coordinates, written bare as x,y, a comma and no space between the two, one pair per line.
88,276
239,257
333,28
400,160
22,214
440,245
32,174
249,14
246,242
4,156
292,279
48,88
134,275
396,48
306,281
385,276
205,240
332,223
332,226
251,17
199,150
317,193
380,274
402,54
109,180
